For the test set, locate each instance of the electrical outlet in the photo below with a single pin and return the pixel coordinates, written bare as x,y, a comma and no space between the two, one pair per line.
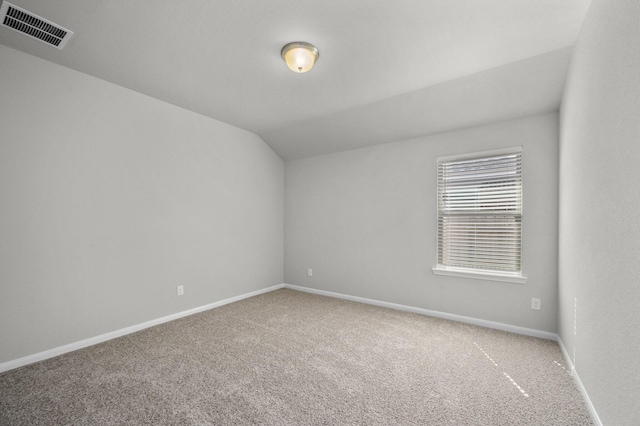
180,290
310,272
535,303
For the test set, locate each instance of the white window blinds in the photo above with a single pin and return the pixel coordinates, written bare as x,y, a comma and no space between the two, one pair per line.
480,212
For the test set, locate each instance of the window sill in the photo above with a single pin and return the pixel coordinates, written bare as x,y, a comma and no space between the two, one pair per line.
480,274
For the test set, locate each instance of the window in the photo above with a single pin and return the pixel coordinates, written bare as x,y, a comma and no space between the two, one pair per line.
480,215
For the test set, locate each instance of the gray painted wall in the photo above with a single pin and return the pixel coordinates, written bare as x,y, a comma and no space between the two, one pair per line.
109,199
365,222
599,210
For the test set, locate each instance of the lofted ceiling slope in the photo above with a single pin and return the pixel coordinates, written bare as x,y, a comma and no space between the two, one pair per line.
388,70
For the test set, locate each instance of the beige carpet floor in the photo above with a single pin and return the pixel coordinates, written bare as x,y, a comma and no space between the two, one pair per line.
288,357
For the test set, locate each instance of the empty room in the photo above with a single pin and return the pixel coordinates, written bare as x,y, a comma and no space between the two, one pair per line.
419,212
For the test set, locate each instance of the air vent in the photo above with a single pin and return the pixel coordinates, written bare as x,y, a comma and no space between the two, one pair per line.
34,26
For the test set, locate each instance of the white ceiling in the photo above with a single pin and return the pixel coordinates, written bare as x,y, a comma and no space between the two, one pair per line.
388,70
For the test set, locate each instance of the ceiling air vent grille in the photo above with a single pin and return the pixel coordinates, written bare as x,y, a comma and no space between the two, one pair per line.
34,26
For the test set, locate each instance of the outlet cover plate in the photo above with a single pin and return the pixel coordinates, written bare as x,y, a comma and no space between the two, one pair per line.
535,303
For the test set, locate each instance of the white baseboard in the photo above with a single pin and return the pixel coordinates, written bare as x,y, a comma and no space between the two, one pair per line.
583,391
50,353
468,320
437,314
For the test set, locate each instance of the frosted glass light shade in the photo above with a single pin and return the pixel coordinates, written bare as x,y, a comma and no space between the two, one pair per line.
300,56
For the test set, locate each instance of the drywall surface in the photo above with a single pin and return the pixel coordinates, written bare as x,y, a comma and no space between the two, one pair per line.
365,222
527,87
110,199
599,266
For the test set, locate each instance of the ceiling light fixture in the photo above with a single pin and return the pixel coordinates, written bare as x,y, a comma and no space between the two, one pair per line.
300,56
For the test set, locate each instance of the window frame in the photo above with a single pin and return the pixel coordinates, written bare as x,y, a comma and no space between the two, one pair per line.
470,272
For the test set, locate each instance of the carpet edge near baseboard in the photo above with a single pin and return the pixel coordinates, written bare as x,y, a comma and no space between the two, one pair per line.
444,315
469,320
576,378
60,350
50,353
